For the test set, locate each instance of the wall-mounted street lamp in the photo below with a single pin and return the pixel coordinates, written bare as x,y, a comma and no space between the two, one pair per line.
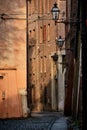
55,16
60,42
55,12
55,57
60,56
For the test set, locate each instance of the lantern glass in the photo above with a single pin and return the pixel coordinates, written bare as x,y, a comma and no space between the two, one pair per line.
55,12
60,41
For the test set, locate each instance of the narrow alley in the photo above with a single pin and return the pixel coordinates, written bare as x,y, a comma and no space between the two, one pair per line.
38,121
41,64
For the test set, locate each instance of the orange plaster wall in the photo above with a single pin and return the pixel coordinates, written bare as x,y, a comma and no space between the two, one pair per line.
21,79
13,51
10,102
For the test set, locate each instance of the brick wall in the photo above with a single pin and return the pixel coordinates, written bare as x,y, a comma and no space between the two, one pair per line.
40,54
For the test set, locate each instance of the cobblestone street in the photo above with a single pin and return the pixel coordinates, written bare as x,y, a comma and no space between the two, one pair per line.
38,121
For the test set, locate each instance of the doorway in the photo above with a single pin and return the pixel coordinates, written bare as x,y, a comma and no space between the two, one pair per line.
9,97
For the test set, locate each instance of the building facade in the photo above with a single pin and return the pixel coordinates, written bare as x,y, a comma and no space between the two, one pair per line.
73,98
12,57
43,89
27,67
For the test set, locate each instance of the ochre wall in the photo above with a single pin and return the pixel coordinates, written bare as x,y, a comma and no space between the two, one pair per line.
13,46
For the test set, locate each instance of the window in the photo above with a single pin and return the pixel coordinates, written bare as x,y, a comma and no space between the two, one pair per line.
35,5
45,64
44,6
48,6
41,35
48,37
30,65
40,6
41,64
45,95
44,33
34,62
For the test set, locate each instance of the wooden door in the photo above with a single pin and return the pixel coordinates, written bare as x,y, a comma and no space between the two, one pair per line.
13,100
9,96
3,95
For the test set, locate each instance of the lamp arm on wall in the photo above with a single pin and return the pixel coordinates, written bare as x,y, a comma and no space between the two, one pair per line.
68,22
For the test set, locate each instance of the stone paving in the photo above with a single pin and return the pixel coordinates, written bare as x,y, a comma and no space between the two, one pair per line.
38,121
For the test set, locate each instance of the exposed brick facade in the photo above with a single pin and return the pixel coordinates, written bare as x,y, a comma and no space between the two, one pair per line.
42,33
31,38
39,41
